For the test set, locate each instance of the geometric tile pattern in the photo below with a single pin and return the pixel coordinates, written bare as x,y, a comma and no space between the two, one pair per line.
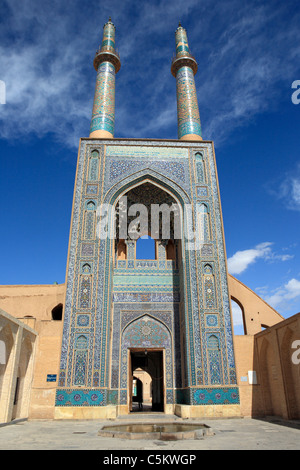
182,316
216,396
103,115
146,332
80,397
188,113
187,103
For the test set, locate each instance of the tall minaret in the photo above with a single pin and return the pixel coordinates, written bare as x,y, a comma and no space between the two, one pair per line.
184,67
107,63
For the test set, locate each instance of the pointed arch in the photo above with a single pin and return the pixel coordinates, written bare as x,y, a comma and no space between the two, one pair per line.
108,246
149,316
146,332
57,312
86,268
213,342
214,359
93,169
238,317
147,175
121,188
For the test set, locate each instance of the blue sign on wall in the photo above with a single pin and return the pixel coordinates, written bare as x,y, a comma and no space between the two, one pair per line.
51,377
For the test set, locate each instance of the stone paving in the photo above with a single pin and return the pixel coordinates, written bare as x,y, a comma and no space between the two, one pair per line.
229,434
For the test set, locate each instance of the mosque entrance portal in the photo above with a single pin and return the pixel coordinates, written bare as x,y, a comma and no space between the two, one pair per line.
146,380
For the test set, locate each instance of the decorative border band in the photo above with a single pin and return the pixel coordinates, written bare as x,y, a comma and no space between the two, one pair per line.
192,396
208,396
81,397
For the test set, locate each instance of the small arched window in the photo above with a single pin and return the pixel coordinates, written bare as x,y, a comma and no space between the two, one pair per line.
94,164
200,168
204,222
57,312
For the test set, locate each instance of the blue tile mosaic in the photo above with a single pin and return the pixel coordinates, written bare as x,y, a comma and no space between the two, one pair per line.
80,397
105,300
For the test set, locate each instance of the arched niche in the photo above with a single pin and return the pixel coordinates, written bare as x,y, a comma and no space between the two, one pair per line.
147,209
57,312
148,337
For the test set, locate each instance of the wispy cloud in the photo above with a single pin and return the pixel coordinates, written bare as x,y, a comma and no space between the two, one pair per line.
286,296
43,76
46,59
249,69
47,67
241,260
286,189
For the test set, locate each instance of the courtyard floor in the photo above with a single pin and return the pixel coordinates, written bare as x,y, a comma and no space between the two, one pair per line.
229,434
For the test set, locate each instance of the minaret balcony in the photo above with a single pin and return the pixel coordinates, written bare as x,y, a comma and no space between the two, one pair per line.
186,60
107,54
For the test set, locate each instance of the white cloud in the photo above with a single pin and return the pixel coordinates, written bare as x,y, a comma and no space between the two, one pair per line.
45,92
284,296
46,62
240,261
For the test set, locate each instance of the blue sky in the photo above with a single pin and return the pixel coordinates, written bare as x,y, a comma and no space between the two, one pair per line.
248,56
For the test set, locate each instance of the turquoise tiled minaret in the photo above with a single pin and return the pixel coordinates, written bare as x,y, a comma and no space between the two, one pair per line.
107,63
184,67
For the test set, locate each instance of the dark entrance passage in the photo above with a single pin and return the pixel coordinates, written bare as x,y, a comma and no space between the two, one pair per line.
151,361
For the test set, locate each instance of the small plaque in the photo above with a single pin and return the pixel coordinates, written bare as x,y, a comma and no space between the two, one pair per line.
51,377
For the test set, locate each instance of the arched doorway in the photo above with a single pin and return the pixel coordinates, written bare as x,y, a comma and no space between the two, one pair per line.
145,378
150,364
24,377
137,392
147,345
160,287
